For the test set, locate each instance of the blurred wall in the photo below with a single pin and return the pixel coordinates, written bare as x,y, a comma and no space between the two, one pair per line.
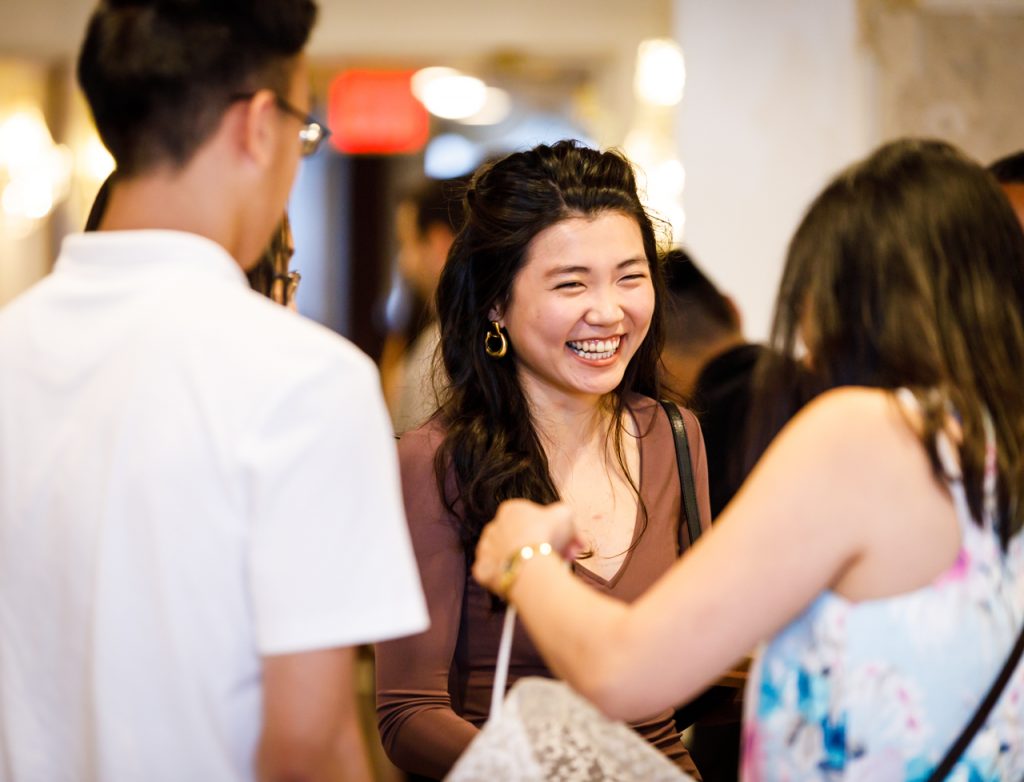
781,94
777,98
953,70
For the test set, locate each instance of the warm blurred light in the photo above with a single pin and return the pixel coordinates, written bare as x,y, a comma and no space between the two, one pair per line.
28,197
660,72
660,175
24,138
94,161
36,172
425,76
496,108
57,166
663,194
450,155
642,147
448,94
667,177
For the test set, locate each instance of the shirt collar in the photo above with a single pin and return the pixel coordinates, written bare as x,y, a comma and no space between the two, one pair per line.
145,252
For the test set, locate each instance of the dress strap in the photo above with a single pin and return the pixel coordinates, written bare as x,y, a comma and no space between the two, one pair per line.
950,460
991,469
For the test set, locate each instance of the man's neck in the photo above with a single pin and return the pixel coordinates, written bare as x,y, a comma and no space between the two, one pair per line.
171,200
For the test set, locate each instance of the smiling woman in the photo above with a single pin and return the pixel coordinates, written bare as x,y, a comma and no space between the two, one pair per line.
579,308
550,315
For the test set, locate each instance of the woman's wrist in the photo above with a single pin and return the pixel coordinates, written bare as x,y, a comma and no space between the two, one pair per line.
513,565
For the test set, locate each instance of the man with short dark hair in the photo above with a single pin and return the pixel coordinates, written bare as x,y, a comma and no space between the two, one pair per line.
1009,171
199,504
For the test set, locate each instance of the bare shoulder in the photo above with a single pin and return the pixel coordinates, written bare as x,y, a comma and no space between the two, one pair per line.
882,487
851,401
854,448
853,419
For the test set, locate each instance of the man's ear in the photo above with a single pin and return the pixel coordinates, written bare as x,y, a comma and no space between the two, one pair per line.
259,127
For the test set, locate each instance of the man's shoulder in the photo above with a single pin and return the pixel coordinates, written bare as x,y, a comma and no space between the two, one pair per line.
15,313
289,338
23,301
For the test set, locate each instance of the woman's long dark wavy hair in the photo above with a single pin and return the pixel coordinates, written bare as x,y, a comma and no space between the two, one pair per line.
908,271
491,448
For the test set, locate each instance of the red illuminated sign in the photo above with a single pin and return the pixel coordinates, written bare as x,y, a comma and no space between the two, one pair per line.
375,113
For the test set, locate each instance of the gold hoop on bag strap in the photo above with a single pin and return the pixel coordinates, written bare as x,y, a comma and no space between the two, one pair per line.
495,334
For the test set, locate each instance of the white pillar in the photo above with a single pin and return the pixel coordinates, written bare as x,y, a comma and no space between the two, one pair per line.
777,100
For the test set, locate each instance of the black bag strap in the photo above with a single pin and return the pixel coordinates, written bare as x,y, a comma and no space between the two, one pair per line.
984,709
686,483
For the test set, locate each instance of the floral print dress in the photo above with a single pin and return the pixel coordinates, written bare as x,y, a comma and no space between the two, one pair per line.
880,689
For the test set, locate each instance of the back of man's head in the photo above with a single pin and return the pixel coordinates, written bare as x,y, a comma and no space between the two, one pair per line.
158,74
697,313
700,321
1009,170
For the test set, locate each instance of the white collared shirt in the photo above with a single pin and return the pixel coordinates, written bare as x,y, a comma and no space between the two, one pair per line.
190,477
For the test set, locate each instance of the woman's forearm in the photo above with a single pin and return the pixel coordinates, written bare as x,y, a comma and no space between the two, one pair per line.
428,741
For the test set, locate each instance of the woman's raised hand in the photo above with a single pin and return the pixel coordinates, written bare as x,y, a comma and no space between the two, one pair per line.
520,523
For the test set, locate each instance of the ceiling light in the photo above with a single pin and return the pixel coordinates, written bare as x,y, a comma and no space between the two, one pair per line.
496,108
425,76
449,94
660,72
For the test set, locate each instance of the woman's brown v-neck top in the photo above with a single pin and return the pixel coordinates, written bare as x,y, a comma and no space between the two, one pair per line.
434,689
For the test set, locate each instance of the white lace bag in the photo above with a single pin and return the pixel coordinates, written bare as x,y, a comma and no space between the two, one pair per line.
545,732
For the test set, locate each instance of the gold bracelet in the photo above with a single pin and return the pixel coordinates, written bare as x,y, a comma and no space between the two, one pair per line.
510,570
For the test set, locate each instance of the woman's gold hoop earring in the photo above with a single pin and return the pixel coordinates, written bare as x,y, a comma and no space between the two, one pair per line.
495,344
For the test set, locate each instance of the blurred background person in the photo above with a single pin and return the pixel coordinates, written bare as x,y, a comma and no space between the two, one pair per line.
708,360
271,275
550,318
426,221
701,323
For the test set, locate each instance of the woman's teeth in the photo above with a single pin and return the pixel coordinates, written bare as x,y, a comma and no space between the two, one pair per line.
595,349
